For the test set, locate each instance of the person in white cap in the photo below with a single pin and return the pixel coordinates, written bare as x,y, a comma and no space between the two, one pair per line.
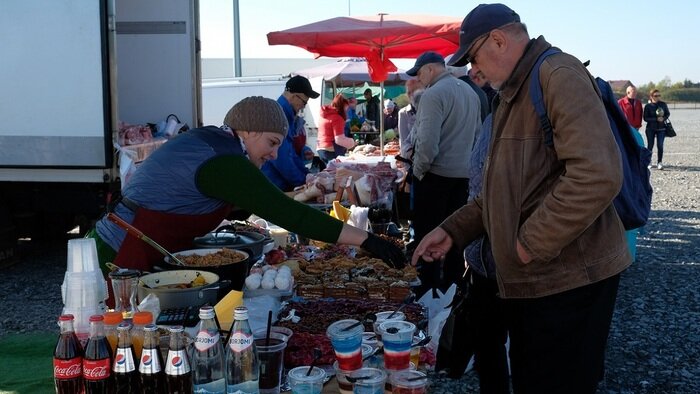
558,244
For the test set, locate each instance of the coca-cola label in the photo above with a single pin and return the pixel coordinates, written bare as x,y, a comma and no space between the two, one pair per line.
67,369
124,360
96,369
240,341
150,363
205,341
177,363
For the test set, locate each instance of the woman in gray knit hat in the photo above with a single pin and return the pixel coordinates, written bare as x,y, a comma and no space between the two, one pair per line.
189,185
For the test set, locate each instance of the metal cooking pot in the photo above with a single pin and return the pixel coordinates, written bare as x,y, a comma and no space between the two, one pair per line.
234,272
226,237
178,298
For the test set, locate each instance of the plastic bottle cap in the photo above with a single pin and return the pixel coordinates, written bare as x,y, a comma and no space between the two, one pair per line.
124,326
113,318
143,318
150,327
66,317
96,318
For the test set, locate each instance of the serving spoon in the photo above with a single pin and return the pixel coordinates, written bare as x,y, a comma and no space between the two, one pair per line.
130,229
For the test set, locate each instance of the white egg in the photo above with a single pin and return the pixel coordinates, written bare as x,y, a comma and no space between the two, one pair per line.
266,267
284,268
270,274
268,283
282,282
286,277
284,274
253,281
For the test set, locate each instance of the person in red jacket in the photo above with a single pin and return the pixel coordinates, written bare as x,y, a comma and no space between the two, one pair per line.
631,107
332,141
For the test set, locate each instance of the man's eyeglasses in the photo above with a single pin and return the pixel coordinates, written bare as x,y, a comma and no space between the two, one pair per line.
301,99
470,58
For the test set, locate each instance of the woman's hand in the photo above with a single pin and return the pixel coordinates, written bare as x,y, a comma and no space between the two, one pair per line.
434,246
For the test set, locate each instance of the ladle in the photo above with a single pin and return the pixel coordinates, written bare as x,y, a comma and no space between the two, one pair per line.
138,234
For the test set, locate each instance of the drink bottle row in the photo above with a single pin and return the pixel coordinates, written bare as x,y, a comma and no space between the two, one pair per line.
133,363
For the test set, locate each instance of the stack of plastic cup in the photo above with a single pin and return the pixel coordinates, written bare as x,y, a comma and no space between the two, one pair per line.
84,289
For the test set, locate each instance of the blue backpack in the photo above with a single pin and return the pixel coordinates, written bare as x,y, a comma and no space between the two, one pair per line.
633,203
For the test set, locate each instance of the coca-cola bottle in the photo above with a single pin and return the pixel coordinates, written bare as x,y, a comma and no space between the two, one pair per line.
177,366
241,356
151,367
68,359
126,378
97,362
208,357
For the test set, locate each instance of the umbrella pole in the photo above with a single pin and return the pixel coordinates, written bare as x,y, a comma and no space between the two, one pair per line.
381,118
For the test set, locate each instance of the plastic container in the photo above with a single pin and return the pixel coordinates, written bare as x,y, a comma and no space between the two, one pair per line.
372,382
139,320
346,343
409,382
303,382
397,337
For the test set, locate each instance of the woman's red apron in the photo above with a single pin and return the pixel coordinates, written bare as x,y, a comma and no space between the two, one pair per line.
174,232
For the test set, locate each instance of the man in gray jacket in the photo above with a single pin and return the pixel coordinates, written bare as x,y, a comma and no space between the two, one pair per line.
448,117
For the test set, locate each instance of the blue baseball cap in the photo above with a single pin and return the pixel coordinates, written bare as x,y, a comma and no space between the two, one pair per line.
425,58
479,21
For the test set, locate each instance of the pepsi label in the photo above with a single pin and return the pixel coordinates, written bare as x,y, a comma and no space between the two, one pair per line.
124,360
149,362
177,363
240,341
205,341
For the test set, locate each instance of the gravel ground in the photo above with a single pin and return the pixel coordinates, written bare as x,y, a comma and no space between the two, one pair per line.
654,342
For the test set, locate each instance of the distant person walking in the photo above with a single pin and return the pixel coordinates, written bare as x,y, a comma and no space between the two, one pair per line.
655,114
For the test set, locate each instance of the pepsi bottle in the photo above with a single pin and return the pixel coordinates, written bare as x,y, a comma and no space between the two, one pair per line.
126,378
178,374
151,366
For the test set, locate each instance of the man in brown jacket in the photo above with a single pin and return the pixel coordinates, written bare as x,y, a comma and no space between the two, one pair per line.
558,243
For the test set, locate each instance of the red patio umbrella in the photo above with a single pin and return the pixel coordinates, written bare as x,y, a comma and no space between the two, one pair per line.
376,38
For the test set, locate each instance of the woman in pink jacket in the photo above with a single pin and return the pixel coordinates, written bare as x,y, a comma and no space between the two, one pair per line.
332,141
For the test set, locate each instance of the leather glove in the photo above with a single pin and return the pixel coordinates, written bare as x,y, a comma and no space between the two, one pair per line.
385,250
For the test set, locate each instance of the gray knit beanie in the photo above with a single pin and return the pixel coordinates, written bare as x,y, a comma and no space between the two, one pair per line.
257,114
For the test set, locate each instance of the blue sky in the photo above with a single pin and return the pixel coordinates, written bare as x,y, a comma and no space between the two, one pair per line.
640,40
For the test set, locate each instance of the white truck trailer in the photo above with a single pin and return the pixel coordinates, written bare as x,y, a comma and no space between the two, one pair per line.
70,70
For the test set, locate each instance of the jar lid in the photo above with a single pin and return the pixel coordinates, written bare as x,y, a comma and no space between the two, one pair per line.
229,239
124,274
142,318
113,318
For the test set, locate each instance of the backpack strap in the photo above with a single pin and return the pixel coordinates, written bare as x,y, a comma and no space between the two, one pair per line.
538,98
